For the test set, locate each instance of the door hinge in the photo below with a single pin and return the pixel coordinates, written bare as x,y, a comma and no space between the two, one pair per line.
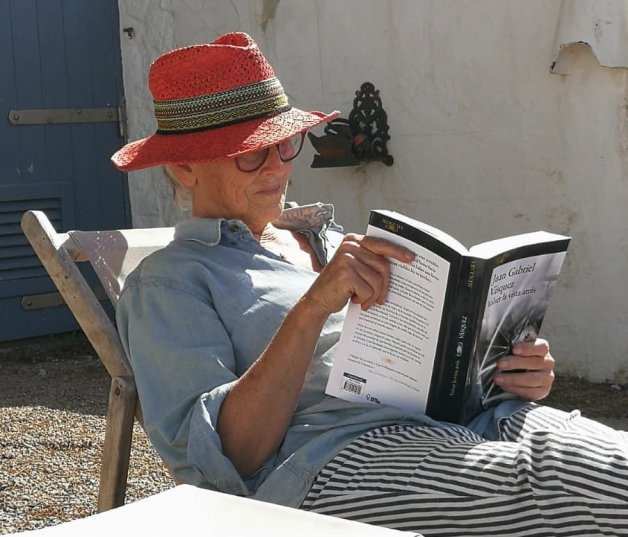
56,116
53,300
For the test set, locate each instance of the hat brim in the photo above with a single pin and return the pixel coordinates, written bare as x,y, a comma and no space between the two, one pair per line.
216,144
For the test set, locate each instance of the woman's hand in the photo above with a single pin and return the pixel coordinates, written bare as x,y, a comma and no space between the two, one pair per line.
529,372
359,271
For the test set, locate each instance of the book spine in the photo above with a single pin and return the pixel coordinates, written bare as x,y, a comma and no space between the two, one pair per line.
449,382
470,403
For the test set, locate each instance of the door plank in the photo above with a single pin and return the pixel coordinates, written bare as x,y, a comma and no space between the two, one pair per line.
55,87
104,45
81,68
32,139
9,148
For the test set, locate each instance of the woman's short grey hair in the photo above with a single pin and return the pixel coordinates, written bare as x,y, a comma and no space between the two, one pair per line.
181,195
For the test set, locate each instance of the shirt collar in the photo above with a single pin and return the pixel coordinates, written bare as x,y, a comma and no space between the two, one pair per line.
294,217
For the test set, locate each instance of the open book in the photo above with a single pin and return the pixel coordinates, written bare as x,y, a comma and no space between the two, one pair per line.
449,316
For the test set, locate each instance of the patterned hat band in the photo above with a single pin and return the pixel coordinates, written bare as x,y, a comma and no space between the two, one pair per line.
204,112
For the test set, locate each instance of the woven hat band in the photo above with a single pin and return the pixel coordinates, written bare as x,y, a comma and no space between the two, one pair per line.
259,99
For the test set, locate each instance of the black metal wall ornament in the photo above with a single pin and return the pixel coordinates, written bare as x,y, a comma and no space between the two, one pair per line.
361,138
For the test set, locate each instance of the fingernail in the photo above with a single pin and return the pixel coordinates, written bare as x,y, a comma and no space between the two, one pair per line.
516,350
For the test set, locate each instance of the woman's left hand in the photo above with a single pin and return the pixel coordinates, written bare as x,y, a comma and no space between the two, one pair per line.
529,372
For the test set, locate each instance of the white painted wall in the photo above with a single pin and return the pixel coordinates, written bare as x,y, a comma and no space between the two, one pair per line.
486,141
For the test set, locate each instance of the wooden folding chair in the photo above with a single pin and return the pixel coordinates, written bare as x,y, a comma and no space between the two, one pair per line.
113,254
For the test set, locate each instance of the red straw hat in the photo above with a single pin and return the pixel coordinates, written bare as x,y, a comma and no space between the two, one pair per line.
214,102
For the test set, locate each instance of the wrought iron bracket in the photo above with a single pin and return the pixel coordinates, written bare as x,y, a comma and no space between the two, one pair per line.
361,138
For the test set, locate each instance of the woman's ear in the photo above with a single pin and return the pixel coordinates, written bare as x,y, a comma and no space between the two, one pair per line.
184,174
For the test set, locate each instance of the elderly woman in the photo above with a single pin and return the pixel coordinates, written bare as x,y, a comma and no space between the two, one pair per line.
230,331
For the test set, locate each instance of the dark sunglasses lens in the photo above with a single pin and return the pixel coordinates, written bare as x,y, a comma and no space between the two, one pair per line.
252,161
290,148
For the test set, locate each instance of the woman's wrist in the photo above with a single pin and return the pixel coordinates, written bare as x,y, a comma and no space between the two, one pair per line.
310,311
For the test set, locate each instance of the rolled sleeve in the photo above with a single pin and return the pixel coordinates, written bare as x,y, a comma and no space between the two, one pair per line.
184,366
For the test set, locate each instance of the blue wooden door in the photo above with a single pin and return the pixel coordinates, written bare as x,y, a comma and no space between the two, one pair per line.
59,63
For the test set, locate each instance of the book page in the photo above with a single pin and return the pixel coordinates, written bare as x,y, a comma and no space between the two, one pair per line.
386,354
517,299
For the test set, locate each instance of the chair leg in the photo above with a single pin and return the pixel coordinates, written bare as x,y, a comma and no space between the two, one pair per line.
117,447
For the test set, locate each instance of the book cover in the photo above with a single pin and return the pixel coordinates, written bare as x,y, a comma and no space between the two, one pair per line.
449,315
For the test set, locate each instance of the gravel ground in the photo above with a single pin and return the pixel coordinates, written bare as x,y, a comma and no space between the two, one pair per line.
53,394
52,423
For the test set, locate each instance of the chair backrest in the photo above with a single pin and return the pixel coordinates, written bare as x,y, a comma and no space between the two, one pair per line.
113,255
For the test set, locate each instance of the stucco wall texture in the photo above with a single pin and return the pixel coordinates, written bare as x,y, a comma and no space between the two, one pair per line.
487,141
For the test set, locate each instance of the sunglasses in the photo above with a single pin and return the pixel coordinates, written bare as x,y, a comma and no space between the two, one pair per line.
287,149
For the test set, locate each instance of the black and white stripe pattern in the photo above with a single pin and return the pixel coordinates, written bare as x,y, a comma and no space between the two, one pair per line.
551,474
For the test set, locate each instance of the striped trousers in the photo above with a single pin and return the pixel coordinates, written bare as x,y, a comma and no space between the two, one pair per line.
551,473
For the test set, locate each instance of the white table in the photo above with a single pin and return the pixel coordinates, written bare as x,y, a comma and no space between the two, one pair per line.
188,511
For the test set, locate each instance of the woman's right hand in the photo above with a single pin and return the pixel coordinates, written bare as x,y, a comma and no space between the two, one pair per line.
359,271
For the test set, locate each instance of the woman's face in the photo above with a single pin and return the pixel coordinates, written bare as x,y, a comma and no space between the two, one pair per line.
220,190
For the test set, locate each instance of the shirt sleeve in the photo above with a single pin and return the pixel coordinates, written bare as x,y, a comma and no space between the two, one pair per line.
184,367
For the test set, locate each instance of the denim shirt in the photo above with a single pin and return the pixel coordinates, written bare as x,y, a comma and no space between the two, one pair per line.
195,315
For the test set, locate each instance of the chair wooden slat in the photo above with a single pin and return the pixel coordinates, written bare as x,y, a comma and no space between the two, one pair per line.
58,253
76,292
